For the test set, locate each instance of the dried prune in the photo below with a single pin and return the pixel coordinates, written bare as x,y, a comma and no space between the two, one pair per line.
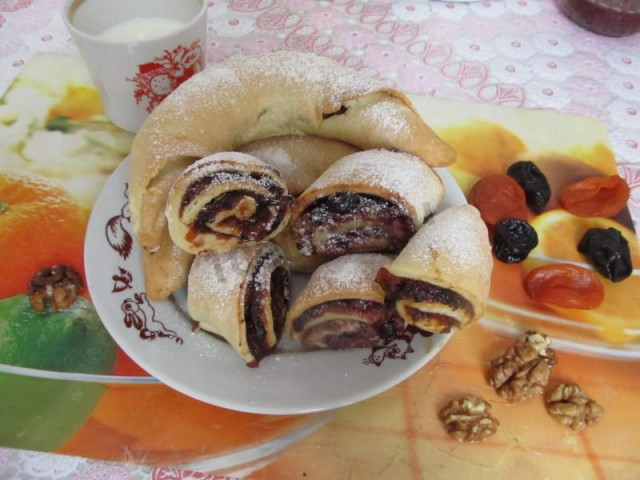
533,182
608,251
513,240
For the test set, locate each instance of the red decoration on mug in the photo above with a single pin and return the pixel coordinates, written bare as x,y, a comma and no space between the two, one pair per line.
157,79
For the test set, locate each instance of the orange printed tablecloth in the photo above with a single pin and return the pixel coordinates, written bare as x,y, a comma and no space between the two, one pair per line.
109,419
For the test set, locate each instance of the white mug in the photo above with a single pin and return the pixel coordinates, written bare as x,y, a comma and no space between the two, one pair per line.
138,51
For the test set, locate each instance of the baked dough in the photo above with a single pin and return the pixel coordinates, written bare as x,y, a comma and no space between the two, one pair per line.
370,201
441,279
247,98
166,269
342,306
224,200
300,159
242,296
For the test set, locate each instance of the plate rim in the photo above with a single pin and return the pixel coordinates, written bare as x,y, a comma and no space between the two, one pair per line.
433,344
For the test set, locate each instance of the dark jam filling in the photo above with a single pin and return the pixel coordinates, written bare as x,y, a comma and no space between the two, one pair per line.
335,335
398,288
381,225
257,226
256,308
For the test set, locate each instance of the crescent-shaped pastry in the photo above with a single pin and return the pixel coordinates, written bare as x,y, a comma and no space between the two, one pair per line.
370,201
166,269
300,159
441,279
342,306
242,296
248,98
226,199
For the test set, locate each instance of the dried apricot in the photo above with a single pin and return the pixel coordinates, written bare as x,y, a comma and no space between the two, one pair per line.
565,285
596,196
498,197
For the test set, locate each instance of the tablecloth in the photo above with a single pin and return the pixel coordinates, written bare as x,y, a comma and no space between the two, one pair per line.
520,53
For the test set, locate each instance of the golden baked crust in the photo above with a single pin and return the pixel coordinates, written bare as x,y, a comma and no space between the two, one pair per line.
250,199
300,159
347,277
450,251
220,286
248,98
165,269
397,176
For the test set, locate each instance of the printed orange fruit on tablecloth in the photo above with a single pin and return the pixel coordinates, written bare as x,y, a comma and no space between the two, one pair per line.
484,148
40,226
159,425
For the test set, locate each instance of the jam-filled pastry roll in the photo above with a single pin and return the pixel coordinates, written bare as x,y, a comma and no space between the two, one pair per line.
297,262
441,279
242,296
370,201
226,199
342,307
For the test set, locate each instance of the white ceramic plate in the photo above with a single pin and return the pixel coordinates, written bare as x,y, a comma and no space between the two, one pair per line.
159,336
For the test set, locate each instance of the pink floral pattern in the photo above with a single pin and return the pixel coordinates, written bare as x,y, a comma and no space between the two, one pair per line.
489,51
14,5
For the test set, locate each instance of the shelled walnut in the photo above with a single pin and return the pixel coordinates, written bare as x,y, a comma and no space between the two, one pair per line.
467,419
570,405
523,370
57,286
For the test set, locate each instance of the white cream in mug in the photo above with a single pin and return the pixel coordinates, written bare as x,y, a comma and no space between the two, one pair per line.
140,29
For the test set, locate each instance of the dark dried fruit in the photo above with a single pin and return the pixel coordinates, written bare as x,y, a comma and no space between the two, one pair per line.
513,240
533,182
608,252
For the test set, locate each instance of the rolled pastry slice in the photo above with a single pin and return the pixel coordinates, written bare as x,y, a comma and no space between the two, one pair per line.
342,306
247,98
226,199
297,261
242,296
370,201
441,279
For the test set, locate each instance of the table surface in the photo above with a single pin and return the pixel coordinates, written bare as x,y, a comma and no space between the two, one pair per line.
518,53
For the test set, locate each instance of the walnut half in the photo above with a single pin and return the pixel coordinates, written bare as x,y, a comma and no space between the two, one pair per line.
523,370
57,287
467,419
570,405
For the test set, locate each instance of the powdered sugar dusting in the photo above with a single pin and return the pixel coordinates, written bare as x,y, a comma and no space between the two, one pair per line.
399,174
278,157
287,67
223,161
219,277
385,114
456,234
347,273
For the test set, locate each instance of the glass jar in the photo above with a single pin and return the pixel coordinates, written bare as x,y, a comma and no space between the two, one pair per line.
613,18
